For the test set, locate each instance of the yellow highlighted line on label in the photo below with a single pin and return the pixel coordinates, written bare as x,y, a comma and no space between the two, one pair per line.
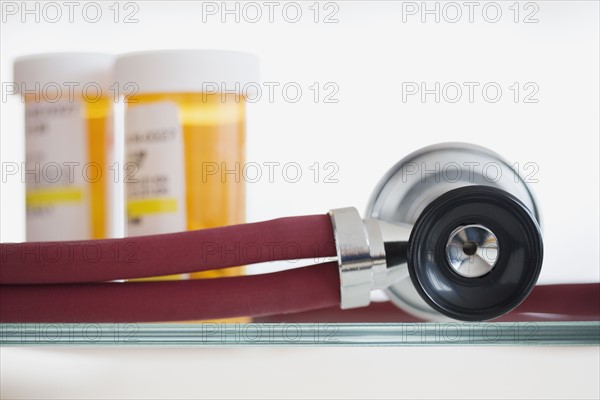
45,197
137,208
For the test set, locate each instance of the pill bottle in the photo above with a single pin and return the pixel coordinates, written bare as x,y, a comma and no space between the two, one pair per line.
185,134
68,136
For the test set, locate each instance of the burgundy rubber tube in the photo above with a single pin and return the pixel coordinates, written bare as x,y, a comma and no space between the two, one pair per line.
304,295
167,254
294,290
568,302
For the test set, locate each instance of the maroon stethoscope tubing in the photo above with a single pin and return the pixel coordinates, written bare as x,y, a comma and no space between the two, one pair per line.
292,238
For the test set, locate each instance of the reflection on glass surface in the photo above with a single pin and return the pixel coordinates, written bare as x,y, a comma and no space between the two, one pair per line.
302,334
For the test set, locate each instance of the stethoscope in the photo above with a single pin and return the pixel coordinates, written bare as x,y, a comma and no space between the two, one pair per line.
451,232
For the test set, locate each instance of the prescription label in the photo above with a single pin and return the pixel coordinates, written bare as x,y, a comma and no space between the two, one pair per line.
154,170
56,167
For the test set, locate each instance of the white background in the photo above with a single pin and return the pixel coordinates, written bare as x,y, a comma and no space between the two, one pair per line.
368,54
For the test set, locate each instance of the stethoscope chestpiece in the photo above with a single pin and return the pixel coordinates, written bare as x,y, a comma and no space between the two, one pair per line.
461,233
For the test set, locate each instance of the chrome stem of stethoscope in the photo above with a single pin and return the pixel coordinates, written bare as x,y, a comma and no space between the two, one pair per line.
361,248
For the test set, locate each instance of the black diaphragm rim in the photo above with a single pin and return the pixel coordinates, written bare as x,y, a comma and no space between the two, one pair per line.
500,290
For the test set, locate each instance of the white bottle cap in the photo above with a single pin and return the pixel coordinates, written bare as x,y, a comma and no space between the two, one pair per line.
47,72
187,71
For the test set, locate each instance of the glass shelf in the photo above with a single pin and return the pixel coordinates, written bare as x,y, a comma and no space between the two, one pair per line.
301,334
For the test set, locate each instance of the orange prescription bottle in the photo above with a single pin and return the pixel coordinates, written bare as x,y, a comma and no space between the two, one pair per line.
68,134
184,130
